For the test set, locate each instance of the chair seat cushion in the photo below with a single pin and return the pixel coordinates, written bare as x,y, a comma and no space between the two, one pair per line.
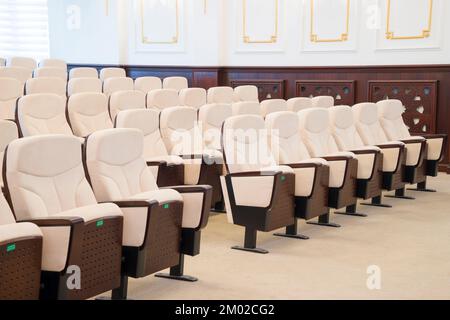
93,212
284,169
159,195
169,159
12,232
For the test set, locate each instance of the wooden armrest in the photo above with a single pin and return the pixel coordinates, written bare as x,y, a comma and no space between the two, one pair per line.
255,174
337,158
365,151
304,165
156,163
55,221
134,203
190,189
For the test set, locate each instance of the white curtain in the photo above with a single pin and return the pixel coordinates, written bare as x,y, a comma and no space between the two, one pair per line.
24,28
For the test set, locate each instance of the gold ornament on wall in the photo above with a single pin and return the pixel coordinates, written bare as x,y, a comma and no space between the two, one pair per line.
147,40
246,38
390,34
314,37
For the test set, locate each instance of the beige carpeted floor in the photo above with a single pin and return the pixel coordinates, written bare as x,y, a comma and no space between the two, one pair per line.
410,243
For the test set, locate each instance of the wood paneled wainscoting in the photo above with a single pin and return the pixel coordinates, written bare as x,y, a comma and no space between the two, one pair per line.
424,89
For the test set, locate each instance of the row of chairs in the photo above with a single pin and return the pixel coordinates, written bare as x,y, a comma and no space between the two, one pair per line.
318,159
89,219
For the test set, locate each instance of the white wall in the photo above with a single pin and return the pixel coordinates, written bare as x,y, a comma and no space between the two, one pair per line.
215,37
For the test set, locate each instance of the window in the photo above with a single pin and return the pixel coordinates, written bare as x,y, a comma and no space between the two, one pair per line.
24,28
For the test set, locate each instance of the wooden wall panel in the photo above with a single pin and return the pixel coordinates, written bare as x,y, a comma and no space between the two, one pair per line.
267,89
343,91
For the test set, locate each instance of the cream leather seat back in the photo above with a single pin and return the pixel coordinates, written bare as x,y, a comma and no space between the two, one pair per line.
390,114
83,72
41,114
52,72
284,138
46,85
246,108
315,132
343,128
193,97
82,85
118,175
18,73
23,62
368,124
162,98
180,131
115,84
175,83
107,73
220,95
53,63
88,112
322,102
246,94
147,84
299,104
46,177
10,90
273,105
146,120
8,133
212,117
125,100
245,144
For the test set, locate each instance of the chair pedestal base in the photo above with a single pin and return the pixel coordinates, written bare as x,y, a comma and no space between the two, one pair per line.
324,221
177,272
250,242
400,194
422,187
291,232
376,202
351,211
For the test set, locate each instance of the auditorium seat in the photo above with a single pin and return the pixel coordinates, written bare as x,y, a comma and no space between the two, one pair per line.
182,137
246,94
410,154
273,105
8,133
10,91
192,97
390,113
46,183
168,169
259,195
46,85
175,83
299,104
20,258
212,117
115,84
316,135
246,108
52,72
347,138
107,73
22,62
322,102
311,175
160,225
54,63
82,85
125,100
147,84
162,99
220,95
42,114
88,112
83,72
18,73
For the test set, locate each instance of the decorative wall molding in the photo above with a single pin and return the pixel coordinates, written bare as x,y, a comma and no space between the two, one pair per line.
344,36
246,38
390,34
343,91
147,40
418,97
